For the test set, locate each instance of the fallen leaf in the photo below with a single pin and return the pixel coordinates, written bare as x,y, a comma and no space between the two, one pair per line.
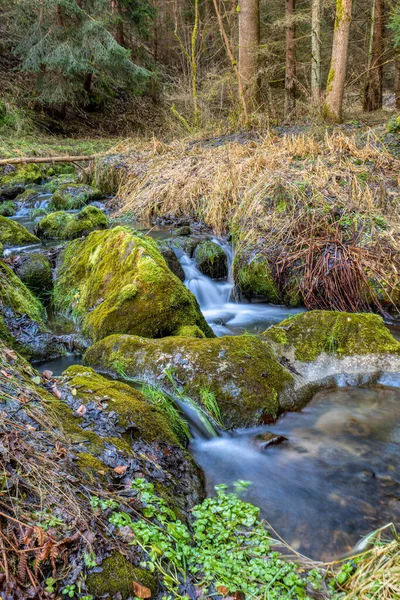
121,470
47,374
10,354
141,591
56,391
36,379
74,391
81,410
221,589
5,374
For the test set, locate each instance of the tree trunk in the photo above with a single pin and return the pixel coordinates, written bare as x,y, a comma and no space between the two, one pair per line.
249,41
337,73
373,84
290,70
316,51
119,34
398,83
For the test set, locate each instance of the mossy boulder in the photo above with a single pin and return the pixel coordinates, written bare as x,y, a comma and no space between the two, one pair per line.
241,371
65,226
71,196
22,316
35,272
117,282
15,234
183,244
184,230
211,260
171,259
253,277
310,334
27,196
59,180
8,208
14,179
117,576
135,414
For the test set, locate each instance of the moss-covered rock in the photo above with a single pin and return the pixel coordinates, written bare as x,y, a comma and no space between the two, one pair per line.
15,234
186,244
74,195
184,230
211,260
253,277
8,208
13,180
135,414
191,331
65,226
313,333
27,196
117,576
241,372
58,181
35,272
171,259
117,282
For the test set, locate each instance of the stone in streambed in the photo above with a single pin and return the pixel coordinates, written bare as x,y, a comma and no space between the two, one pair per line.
241,371
14,234
65,226
34,271
8,208
74,195
14,179
253,277
211,260
171,259
117,282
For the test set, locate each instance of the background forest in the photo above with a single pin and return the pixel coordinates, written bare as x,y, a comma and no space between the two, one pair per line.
119,66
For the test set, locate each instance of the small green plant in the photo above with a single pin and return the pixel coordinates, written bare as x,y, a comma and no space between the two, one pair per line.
90,560
167,405
47,520
210,403
227,545
96,502
50,585
69,590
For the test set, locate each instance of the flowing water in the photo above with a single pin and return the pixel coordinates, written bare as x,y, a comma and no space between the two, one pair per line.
334,479
223,315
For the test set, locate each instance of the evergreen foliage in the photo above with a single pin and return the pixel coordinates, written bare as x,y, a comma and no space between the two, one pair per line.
74,56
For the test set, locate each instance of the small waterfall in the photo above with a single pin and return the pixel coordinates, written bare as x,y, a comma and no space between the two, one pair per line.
209,293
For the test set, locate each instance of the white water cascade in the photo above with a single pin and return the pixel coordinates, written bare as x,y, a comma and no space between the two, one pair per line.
215,300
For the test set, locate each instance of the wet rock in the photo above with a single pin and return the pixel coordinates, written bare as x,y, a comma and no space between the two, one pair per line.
14,234
211,260
34,271
253,277
116,282
183,244
241,372
13,181
74,195
171,259
63,226
8,208
183,231
266,439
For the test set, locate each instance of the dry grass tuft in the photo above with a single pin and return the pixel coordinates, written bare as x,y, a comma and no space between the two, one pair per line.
322,210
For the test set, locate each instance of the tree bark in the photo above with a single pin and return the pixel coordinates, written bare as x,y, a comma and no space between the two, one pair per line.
333,106
316,51
290,70
249,41
398,83
45,159
373,84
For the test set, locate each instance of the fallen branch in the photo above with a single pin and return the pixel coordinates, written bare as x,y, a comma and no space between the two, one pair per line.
45,159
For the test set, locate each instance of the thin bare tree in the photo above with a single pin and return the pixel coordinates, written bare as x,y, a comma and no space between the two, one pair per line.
316,51
333,106
249,41
373,83
290,69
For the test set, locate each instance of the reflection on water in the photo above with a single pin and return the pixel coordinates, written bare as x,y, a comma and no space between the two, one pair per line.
58,365
336,478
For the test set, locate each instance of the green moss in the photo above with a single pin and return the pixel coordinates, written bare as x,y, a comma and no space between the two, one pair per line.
240,371
128,403
64,226
117,576
15,295
342,334
190,331
14,234
8,208
74,195
35,273
30,173
27,195
255,278
58,181
117,282
211,259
